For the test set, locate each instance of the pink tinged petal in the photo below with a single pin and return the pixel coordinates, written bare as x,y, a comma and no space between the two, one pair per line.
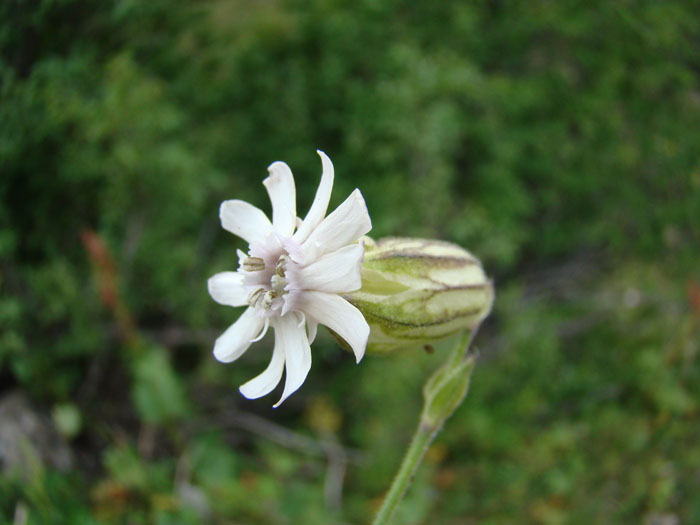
323,196
245,220
269,249
227,288
345,225
293,248
280,188
290,302
269,379
338,271
297,353
338,315
235,341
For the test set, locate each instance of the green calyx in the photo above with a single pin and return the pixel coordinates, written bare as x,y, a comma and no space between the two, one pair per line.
417,291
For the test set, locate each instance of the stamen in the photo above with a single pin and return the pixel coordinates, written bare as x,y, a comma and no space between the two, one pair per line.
254,296
281,268
278,283
253,264
268,298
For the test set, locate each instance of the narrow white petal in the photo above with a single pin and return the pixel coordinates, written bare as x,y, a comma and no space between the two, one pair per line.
267,381
338,271
312,325
338,315
297,353
236,339
245,220
289,302
345,225
323,196
280,188
262,332
227,288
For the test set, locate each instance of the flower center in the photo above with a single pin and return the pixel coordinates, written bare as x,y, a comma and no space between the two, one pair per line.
270,288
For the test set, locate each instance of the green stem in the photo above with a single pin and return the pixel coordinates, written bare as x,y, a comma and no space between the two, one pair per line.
443,393
414,456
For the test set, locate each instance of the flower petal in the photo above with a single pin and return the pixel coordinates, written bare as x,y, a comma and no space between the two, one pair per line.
338,271
236,339
262,333
338,315
227,288
345,225
267,381
280,188
297,353
323,196
245,220
312,325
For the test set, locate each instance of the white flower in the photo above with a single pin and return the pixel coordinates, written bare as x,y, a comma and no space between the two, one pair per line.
292,279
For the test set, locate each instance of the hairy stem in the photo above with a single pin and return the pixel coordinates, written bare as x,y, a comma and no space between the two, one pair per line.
413,458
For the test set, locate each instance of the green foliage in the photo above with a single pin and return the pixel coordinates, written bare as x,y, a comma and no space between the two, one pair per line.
157,392
557,141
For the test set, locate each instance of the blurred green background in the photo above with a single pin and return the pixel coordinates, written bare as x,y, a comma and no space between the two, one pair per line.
558,141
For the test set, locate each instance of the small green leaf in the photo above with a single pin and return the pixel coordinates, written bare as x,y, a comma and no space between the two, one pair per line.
446,390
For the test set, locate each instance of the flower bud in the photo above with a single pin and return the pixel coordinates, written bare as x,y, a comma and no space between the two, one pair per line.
416,291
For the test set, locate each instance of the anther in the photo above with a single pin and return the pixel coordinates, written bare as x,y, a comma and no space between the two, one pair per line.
281,268
268,298
254,296
253,264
